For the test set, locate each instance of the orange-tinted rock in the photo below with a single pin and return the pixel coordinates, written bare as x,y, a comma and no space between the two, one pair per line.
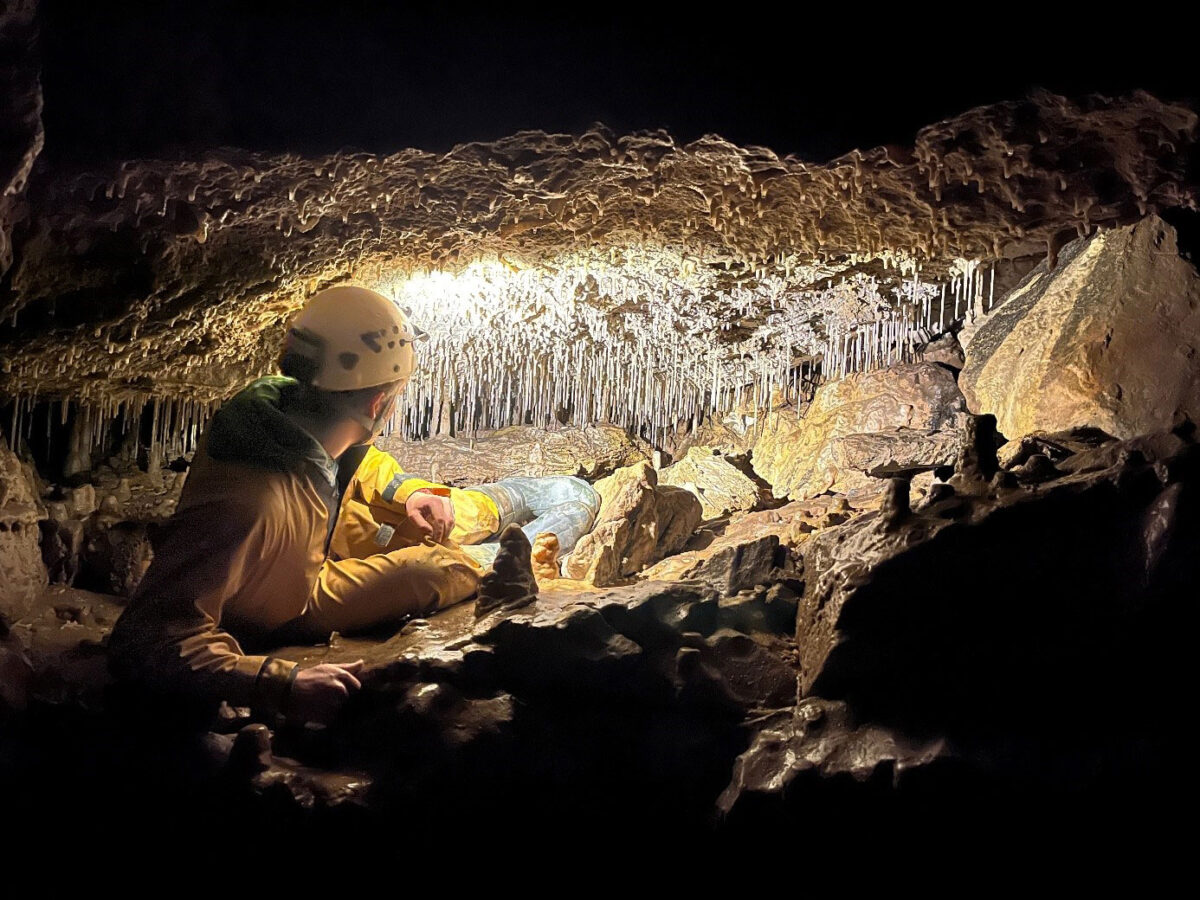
720,486
589,452
639,523
911,408
1107,340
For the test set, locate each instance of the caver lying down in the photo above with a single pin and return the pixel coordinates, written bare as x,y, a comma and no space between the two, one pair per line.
292,525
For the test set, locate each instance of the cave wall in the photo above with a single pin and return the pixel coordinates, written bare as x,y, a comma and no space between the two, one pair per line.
21,134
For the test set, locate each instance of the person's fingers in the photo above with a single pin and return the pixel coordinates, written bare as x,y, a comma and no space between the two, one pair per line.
418,518
352,666
348,681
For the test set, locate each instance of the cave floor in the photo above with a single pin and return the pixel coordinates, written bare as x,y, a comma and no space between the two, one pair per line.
65,633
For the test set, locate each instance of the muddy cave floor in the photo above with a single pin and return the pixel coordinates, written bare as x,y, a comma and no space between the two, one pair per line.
772,687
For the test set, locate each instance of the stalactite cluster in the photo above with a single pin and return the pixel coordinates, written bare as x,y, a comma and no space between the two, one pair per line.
569,278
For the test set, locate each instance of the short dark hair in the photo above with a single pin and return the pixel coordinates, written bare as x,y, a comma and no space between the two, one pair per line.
318,404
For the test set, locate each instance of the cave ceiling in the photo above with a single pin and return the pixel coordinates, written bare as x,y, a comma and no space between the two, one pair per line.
625,277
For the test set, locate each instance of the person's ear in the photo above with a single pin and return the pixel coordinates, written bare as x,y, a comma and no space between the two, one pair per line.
378,401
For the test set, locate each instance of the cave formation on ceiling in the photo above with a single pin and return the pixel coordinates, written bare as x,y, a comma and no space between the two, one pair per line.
862,598
580,278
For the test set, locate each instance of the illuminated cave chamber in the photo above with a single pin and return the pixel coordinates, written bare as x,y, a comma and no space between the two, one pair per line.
783,376
563,280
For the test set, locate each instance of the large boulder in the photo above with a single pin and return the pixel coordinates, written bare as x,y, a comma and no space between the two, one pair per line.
940,616
751,549
890,421
589,452
1106,339
22,572
640,522
719,485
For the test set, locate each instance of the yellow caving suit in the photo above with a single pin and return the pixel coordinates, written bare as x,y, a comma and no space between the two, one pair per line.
251,549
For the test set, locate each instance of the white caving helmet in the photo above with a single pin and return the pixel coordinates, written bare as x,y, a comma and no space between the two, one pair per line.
355,338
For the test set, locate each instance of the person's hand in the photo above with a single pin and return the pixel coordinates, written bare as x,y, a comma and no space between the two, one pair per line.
432,514
318,693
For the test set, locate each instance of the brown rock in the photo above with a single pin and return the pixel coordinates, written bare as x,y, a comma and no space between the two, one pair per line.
819,743
114,555
639,523
732,435
16,673
720,486
945,350
23,136
1055,447
1107,339
590,452
752,549
802,458
233,240
944,614
22,572
903,452
510,583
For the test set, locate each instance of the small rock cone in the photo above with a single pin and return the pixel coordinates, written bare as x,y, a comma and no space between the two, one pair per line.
510,583
545,557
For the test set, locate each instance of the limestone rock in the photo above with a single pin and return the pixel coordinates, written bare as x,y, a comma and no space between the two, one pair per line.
562,695
752,549
23,135
509,584
731,435
802,458
114,555
1055,446
83,501
720,486
945,350
937,622
820,742
887,454
22,572
220,246
16,673
62,545
1107,340
639,523
590,452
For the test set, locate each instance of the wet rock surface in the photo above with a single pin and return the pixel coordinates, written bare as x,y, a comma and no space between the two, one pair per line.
592,698
797,659
1106,339
945,350
901,419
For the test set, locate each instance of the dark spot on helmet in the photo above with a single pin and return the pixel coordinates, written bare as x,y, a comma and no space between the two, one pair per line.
348,360
371,339
395,368
391,345
395,329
